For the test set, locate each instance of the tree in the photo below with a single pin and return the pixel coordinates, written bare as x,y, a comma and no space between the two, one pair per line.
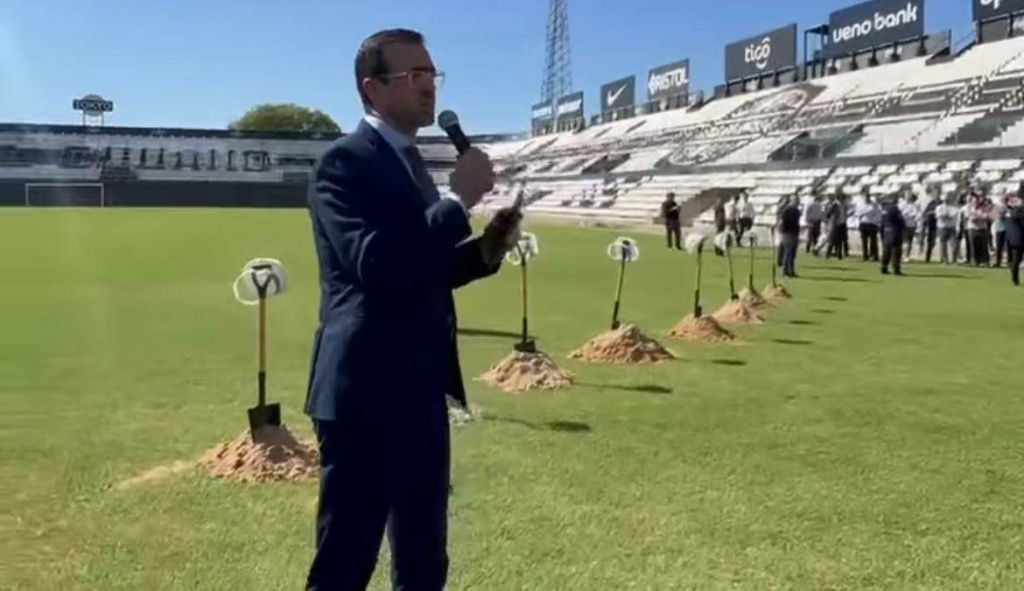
285,117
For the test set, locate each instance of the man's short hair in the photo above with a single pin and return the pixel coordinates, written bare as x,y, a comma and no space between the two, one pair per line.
370,62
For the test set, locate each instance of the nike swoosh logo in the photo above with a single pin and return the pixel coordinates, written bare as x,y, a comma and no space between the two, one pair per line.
614,96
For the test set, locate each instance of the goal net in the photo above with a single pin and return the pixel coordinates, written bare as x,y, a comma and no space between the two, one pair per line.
65,195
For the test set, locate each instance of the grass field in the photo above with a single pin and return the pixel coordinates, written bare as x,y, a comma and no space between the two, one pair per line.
869,435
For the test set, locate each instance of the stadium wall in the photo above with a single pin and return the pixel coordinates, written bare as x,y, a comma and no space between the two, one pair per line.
160,194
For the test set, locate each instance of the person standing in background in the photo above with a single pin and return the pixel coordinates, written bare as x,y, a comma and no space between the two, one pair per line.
911,215
977,230
963,240
869,216
1014,228
813,216
720,222
930,230
946,216
732,215
789,233
670,215
894,231
835,221
746,217
849,216
1000,210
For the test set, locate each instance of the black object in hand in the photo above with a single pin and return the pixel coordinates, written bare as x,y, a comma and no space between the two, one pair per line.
449,122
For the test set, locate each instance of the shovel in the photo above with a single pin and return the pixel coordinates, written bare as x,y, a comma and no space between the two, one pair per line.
732,283
263,414
618,289
525,344
697,309
750,276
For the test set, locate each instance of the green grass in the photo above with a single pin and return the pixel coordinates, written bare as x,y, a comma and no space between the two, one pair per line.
867,436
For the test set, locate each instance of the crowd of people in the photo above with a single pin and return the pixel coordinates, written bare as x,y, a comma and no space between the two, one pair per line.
973,227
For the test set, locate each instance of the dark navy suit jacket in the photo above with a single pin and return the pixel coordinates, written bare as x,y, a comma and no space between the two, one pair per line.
389,260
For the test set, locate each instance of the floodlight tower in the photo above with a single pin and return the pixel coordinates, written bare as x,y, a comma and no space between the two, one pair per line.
557,63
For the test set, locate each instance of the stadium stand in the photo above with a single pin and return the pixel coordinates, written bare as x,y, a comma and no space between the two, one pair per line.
933,119
939,117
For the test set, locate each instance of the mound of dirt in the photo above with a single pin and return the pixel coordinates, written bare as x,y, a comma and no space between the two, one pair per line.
734,312
275,455
751,299
777,292
704,329
527,371
626,344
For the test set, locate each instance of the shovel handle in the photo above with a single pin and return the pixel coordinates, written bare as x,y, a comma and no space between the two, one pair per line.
774,254
750,277
732,282
525,292
262,377
261,293
696,289
618,293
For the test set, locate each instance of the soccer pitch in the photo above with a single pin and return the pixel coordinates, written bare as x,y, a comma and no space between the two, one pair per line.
866,436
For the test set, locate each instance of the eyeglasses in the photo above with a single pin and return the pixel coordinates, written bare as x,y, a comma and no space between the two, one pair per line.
417,77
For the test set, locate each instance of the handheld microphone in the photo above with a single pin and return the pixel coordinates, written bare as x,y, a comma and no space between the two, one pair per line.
449,122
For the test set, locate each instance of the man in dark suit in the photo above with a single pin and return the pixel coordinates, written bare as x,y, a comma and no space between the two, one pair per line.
789,234
390,250
670,214
893,232
720,222
835,218
1015,235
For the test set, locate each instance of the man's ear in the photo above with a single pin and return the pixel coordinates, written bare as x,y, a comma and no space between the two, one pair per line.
368,86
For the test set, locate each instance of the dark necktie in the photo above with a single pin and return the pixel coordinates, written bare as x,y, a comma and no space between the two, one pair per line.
422,175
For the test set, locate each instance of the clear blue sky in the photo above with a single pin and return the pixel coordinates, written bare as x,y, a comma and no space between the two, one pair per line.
191,63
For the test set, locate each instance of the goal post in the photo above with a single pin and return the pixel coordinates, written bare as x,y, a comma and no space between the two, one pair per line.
65,195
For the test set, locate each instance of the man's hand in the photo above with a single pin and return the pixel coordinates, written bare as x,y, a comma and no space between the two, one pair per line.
501,234
472,178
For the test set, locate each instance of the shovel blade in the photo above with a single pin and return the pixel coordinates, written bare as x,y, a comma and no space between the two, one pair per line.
263,416
527,346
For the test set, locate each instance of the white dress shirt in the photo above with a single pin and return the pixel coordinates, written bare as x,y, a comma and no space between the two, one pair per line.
747,210
946,216
998,217
869,213
400,142
911,213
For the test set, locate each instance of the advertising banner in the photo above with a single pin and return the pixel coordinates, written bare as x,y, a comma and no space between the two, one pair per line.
986,9
668,80
541,114
761,54
618,94
873,23
569,108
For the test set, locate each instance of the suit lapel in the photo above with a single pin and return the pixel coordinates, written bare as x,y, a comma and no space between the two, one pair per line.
392,163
